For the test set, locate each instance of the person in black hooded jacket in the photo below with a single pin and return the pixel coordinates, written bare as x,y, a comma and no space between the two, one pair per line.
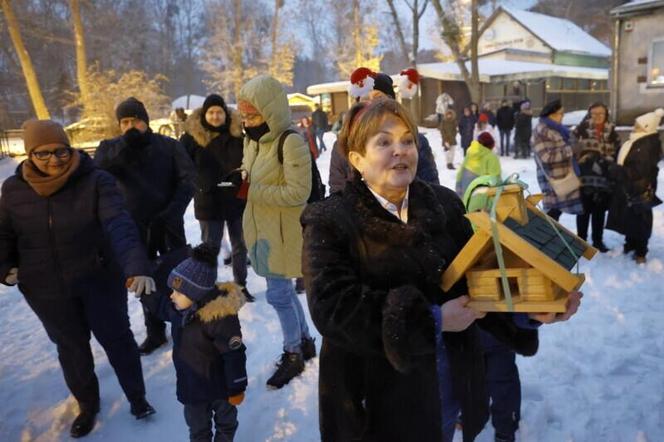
156,176
636,195
372,269
214,141
68,242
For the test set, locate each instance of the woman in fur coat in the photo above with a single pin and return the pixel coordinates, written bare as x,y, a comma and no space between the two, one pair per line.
372,260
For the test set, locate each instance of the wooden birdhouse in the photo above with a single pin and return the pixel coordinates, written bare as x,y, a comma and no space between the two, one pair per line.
538,254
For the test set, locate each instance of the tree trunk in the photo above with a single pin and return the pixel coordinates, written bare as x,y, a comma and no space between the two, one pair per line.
81,57
26,63
397,25
450,36
275,30
357,26
474,85
237,46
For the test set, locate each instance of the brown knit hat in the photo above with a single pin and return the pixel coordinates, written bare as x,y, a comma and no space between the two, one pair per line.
42,132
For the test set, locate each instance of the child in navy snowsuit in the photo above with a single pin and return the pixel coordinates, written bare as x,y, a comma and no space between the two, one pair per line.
208,352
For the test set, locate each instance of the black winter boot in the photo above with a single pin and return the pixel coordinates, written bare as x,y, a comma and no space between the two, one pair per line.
299,286
140,408
85,421
308,347
600,246
290,366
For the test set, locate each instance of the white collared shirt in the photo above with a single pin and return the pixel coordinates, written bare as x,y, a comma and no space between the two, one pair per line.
402,214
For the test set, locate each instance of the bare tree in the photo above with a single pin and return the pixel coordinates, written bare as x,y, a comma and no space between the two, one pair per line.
397,25
34,90
81,57
282,58
451,32
359,48
234,52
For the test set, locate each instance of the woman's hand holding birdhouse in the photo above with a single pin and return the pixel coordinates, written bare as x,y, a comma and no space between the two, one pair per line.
573,303
456,316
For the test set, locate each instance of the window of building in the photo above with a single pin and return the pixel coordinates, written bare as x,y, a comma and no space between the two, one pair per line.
569,84
656,63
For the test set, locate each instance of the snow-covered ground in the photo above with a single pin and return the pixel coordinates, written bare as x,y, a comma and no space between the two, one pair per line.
599,377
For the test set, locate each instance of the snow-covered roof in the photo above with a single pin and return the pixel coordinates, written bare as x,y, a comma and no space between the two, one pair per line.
519,69
636,5
560,34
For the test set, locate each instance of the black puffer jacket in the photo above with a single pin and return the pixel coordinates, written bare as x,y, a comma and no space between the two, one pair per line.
208,352
371,281
505,118
71,242
157,181
215,155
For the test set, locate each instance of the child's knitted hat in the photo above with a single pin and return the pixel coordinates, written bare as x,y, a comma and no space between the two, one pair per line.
196,277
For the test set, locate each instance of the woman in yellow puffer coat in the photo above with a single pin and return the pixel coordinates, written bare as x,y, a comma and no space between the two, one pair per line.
277,193
479,160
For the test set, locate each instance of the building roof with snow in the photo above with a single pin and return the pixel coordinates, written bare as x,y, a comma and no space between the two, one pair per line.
636,7
494,69
538,35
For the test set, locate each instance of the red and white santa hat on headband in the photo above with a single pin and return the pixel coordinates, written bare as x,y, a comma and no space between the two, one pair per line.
408,81
361,82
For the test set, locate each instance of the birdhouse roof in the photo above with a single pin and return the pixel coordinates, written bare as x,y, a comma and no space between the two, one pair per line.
535,242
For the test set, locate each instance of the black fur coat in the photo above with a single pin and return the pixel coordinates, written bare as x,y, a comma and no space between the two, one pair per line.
371,281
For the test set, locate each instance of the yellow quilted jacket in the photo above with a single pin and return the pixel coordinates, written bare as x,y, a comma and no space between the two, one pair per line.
277,192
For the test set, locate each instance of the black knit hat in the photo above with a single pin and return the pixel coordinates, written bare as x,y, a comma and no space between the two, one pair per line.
383,83
551,108
196,277
132,108
215,100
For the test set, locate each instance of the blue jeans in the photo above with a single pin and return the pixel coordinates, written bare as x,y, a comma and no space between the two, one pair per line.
505,141
281,295
319,137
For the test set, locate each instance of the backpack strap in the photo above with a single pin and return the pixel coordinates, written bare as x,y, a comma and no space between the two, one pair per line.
282,140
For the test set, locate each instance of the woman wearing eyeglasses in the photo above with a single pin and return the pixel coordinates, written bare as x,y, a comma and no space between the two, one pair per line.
69,243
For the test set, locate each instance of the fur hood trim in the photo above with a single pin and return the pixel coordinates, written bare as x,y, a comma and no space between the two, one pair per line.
202,136
223,305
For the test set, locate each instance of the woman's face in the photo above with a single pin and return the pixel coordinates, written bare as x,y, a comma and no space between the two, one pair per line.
215,116
390,160
558,115
180,301
51,160
598,115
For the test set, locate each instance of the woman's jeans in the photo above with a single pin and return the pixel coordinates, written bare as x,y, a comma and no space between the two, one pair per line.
281,295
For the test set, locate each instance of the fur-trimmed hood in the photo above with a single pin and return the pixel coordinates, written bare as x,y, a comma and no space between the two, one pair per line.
202,136
223,305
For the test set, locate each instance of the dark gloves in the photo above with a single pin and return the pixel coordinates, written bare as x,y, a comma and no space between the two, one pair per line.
234,177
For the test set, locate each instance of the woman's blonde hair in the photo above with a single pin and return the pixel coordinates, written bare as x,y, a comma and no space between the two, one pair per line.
364,120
